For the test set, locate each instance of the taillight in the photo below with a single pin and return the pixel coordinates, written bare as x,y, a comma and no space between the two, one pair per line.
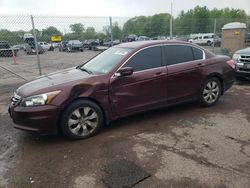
231,63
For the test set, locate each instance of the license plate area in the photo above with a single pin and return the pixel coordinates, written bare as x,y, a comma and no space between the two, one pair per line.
247,66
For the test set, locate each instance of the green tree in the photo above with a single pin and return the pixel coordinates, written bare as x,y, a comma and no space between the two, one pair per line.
13,37
90,33
116,30
135,25
77,28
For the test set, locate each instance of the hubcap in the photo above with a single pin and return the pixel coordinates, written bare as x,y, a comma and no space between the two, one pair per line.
211,92
83,121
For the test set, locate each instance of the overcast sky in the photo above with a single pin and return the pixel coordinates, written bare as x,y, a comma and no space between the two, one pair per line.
121,8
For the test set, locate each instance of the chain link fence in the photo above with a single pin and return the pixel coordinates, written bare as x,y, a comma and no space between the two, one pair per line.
35,45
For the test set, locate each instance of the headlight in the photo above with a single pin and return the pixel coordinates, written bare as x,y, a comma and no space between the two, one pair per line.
39,100
236,57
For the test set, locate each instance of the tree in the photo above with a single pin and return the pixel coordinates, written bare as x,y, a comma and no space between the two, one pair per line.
13,37
201,20
77,28
116,30
157,25
135,25
90,33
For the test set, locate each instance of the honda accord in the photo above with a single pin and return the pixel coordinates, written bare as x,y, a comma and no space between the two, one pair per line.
123,80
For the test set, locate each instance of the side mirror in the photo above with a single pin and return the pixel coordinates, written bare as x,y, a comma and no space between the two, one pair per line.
124,71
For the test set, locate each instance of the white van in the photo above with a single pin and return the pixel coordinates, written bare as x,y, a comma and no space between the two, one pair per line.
202,39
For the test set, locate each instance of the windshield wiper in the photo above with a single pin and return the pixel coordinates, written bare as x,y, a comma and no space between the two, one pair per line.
84,69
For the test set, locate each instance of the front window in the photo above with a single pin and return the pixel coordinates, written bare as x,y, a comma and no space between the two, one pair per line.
107,60
148,58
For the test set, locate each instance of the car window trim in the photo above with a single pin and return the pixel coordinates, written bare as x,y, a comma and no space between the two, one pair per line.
162,56
203,53
145,49
156,45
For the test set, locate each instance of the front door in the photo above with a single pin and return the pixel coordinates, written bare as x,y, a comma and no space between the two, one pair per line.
145,88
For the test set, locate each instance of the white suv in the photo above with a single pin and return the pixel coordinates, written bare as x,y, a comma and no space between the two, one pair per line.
203,39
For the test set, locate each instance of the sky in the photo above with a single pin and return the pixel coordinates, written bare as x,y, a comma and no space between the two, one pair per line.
118,8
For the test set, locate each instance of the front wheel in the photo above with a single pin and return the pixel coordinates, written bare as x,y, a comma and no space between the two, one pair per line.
82,119
210,92
209,43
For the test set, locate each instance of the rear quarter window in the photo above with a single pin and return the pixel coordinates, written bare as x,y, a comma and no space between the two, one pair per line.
198,54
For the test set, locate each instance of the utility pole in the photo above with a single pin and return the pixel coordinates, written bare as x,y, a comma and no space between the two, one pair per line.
214,33
111,30
171,22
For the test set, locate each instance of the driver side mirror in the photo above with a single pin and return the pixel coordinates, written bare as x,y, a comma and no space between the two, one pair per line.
124,71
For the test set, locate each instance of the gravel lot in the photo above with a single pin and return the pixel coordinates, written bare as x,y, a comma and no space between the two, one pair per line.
183,146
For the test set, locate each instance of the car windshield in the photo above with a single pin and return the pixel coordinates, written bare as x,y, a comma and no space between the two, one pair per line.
104,62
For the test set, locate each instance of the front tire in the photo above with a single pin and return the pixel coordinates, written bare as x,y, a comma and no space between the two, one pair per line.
81,119
210,92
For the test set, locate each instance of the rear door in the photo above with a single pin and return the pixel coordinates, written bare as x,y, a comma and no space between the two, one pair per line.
184,72
145,88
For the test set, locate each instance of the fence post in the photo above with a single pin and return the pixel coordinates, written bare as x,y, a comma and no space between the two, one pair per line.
214,33
36,45
111,30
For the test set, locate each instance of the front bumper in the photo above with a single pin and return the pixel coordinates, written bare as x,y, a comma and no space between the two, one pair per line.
40,119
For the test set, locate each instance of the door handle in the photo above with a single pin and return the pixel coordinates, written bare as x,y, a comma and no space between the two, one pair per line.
159,74
200,64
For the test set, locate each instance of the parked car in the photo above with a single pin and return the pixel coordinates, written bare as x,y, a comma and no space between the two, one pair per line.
74,45
7,50
204,39
45,45
131,38
63,46
19,46
121,81
91,44
107,42
241,60
140,38
30,49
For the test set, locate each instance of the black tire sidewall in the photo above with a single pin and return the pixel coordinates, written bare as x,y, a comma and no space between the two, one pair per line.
74,105
201,98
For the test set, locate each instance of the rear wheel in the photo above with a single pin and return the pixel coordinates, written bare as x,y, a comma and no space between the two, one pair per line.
82,119
210,92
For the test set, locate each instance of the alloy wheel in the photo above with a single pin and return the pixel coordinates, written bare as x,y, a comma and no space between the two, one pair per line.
83,121
211,92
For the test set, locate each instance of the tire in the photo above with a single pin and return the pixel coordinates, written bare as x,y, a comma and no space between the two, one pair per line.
209,43
210,92
81,119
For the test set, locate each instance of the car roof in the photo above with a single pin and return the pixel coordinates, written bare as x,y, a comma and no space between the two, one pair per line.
141,44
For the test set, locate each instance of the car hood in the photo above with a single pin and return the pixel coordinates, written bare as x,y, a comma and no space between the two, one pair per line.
52,81
245,51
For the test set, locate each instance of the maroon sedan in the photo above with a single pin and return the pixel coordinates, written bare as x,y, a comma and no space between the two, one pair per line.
123,80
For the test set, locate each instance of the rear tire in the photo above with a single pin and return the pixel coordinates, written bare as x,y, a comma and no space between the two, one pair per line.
210,92
81,119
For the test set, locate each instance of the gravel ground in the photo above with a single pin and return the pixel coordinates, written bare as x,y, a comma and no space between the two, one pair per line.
182,146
